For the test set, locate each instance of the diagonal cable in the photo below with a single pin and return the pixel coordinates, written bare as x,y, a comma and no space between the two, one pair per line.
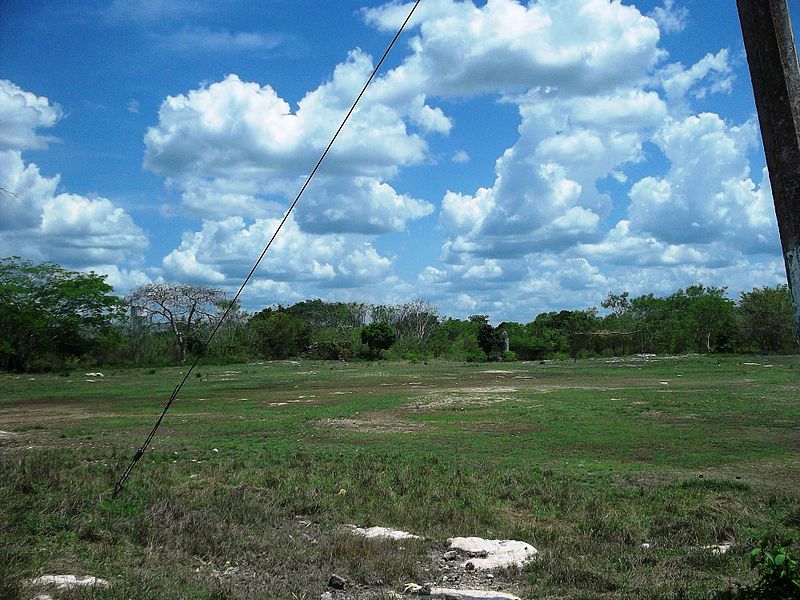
140,452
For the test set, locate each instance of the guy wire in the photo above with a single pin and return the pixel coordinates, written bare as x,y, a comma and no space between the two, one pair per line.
140,452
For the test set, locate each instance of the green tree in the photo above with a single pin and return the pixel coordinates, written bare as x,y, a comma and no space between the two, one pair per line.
490,340
579,325
278,334
320,314
48,310
766,318
378,336
712,318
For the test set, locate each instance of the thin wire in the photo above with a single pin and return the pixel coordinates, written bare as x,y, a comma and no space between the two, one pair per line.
140,452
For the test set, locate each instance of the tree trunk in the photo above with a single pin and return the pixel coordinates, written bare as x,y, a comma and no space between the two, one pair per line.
181,349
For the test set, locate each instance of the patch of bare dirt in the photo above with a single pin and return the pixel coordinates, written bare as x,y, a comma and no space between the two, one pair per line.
378,423
468,396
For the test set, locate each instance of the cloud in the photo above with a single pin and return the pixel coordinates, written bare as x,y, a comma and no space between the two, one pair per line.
707,195
545,194
21,114
22,208
38,222
245,144
202,39
460,157
671,18
154,11
67,228
223,251
361,205
577,46
234,129
132,106
713,70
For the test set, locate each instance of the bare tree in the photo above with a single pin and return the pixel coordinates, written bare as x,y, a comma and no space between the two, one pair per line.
416,319
183,307
419,319
386,313
357,312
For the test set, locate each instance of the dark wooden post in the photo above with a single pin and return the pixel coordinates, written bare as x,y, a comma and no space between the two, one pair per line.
771,54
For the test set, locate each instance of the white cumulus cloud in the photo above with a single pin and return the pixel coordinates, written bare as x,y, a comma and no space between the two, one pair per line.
670,17
21,114
223,251
38,222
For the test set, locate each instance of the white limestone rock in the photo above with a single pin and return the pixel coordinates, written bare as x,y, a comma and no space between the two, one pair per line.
452,594
718,549
67,582
383,533
493,554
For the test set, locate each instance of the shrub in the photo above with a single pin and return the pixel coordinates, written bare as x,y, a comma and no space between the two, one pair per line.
509,356
378,336
779,571
279,335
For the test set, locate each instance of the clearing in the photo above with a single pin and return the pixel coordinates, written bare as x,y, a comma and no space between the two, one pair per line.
623,474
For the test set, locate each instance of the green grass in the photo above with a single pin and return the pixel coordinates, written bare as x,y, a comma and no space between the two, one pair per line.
584,461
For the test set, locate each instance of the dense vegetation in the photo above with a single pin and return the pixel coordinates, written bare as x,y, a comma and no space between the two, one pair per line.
52,318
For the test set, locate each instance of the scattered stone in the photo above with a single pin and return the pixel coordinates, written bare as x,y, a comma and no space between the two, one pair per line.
336,582
383,533
342,492
451,594
498,553
6,434
326,596
450,555
411,588
42,597
646,546
469,566
67,582
718,549
94,375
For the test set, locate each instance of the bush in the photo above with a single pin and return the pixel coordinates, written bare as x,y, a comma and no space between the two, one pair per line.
378,336
779,571
279,335
509,356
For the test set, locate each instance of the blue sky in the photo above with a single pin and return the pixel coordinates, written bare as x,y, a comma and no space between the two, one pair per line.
511,158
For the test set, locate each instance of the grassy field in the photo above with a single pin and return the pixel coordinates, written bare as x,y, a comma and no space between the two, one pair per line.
257,467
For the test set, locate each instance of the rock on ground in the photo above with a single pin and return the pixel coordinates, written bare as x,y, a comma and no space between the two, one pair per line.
383,533
66,582
450,594
493,554
718,549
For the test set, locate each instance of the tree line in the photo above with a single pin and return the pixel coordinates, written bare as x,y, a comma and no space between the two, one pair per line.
52,318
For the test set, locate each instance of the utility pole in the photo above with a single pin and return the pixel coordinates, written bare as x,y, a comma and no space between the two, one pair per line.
771,54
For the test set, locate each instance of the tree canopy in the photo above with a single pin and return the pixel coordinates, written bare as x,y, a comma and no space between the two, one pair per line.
378,336
46,310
